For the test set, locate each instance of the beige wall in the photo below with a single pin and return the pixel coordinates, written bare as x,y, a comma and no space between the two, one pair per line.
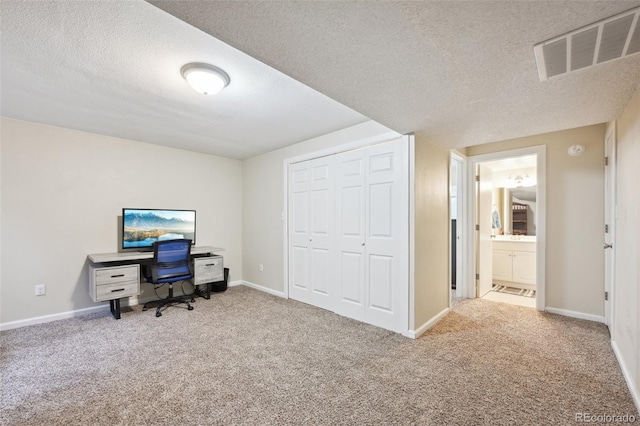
263,198
626,298
575,216
62,193
431,295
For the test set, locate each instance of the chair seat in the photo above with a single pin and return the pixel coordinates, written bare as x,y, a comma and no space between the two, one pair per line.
174,278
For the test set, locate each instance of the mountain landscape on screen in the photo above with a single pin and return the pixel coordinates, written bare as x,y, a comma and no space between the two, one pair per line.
141,229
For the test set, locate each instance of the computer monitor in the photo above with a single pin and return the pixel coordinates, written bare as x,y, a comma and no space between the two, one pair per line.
142,227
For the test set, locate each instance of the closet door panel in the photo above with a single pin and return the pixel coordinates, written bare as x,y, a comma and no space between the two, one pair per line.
381,210
383,304
381,283
299,231
351,268
320,266
300,267
322,235
350,233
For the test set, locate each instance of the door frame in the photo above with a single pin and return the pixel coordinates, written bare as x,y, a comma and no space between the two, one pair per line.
406,292
541,220
461,223
610,173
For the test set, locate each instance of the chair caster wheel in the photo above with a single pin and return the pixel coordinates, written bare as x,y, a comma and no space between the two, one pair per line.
189,308
158,314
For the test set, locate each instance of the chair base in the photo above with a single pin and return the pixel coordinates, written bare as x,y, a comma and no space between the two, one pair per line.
162,304
173,302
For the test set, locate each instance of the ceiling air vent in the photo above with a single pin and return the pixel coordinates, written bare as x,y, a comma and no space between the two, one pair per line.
603,41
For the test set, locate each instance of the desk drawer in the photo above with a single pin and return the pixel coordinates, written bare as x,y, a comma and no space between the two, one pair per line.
116,290
116,274
208,269
113,282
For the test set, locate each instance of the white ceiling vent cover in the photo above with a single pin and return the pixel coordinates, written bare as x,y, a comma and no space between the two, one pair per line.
602,41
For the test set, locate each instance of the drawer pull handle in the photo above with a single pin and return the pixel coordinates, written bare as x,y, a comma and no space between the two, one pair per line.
210,264
118,289
117,276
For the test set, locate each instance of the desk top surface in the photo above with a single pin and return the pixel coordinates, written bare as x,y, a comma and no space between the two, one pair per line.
141,255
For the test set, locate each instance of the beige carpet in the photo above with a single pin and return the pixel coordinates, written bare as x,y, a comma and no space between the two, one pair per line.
245,357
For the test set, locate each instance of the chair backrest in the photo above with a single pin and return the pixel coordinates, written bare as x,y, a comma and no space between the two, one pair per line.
171,260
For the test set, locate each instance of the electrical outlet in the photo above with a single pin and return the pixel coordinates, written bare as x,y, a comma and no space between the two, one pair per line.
261,268
40,290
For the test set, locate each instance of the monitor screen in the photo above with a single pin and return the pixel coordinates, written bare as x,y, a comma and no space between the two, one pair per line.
141,227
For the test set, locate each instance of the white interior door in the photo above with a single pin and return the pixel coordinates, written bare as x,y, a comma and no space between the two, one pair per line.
346,234
350,233
485,194
299,231
321,238
609,220
383,243
311,232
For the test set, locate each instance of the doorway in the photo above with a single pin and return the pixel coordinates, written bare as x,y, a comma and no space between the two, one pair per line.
456,220
507,197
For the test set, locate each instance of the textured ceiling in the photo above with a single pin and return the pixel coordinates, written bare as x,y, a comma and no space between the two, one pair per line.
113,67
460,72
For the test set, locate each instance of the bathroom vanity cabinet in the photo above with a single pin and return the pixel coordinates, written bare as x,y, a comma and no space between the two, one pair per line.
514,263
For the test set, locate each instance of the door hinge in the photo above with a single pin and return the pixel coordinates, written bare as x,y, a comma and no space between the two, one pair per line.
478,178
606,229
477,227
477,276
606,295
606,161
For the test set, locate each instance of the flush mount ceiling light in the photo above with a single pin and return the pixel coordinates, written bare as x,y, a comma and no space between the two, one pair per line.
575,150
204,78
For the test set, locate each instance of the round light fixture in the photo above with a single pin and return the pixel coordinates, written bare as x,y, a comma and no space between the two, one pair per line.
575,150
204,78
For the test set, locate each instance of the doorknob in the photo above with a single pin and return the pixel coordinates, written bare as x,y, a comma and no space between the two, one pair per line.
363,244
606,246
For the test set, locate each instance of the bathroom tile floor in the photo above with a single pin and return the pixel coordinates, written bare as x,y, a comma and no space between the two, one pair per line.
512,299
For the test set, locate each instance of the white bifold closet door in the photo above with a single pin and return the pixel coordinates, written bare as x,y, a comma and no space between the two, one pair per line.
368,227
345,242
311,233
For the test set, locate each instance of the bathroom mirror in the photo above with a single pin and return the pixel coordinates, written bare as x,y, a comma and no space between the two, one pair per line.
517,208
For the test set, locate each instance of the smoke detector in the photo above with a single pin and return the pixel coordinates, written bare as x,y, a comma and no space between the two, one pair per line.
603,41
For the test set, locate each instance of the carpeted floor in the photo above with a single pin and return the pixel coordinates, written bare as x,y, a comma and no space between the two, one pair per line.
245,357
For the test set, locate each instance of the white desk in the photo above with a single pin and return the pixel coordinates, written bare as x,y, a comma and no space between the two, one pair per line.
113,276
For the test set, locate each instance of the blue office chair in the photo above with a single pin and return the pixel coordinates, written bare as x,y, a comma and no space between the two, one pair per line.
171,263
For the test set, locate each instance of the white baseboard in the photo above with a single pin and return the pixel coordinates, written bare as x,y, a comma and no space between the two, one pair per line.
574,314
54,317
635,391
261,288
131,301
414,334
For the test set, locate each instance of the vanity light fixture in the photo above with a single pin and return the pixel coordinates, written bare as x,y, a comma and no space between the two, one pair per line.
518,178
204,78
576,150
